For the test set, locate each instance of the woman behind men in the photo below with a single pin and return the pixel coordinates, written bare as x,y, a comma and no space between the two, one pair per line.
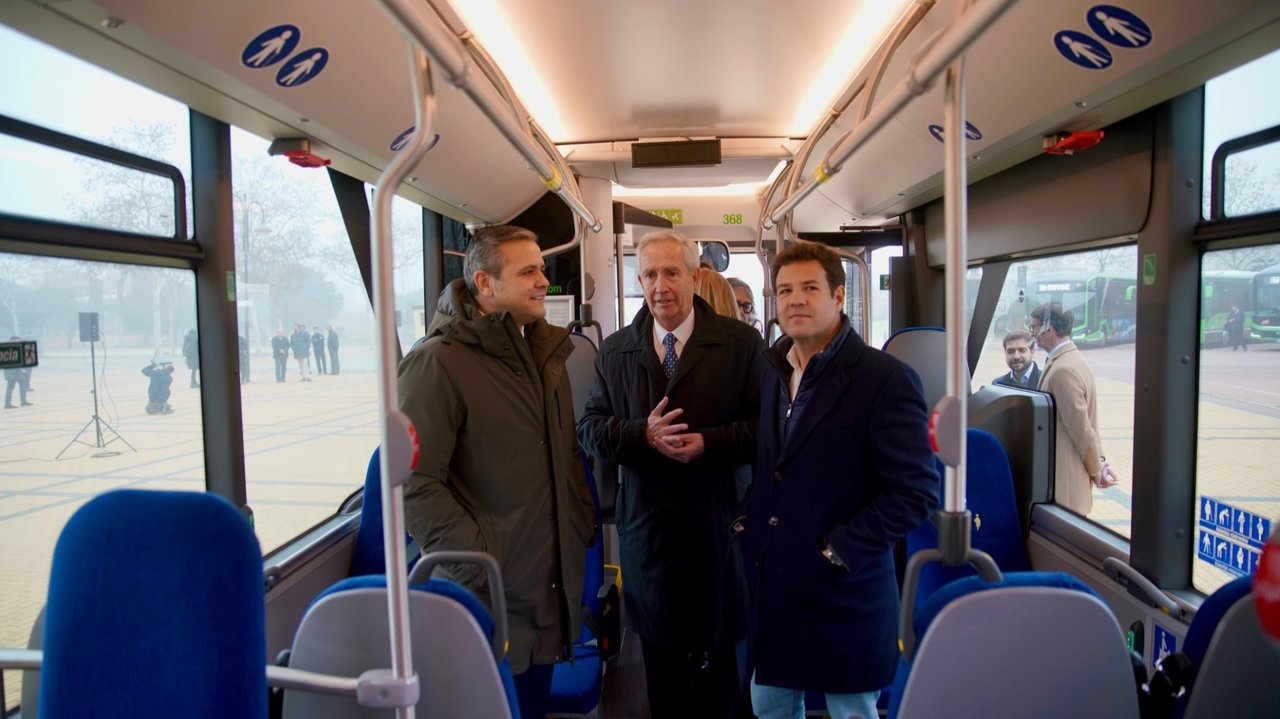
715,289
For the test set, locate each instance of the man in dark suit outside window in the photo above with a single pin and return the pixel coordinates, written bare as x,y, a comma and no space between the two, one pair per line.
1023,371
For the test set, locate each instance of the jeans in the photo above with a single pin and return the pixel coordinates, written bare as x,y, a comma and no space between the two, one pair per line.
781,703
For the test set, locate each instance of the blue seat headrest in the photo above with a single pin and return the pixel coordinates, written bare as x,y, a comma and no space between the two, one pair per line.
155,608
1210,614
970,585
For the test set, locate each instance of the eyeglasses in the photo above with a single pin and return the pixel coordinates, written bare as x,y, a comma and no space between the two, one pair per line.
746,307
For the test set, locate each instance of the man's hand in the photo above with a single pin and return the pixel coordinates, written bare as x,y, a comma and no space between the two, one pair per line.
682,447
1106,477
659,426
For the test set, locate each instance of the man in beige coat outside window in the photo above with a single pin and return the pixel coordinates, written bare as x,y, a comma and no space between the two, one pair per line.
1079,463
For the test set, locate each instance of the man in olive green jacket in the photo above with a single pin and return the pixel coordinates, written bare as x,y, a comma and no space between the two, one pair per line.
498,469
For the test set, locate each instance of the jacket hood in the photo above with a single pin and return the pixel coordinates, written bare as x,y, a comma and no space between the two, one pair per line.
457,314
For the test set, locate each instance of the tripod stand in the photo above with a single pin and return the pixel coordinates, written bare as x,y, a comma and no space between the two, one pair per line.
96,422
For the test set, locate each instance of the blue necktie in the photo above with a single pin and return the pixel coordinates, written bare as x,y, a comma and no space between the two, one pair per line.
669,361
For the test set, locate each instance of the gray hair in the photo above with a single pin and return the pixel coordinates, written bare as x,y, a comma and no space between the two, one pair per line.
1051,314
687,246
483,253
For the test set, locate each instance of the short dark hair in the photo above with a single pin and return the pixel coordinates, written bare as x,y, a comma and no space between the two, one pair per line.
483,253
803,251
1052,314
1017,336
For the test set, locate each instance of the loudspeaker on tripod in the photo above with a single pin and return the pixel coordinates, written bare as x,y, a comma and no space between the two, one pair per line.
89,327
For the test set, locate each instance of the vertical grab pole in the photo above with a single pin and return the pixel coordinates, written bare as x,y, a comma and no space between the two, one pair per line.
399,442
949,418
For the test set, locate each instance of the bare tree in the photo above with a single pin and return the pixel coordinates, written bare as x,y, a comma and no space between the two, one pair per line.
406,243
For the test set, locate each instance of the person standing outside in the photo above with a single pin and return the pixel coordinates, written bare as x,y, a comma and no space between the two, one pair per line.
300,340
244,359
675,403
499,470
844,472
280,353
1079,463
1023,371
333,350
1235,329
317,348
191,353
16,377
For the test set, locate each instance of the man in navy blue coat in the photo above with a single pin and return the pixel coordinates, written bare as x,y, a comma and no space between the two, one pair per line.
844,472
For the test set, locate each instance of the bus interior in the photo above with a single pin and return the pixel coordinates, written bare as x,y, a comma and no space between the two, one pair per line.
183,183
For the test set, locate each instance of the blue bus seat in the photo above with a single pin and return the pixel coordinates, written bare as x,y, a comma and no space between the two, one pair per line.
344,632
1037,644
1232,664
576,686
155,608
990,498
924,349
369,553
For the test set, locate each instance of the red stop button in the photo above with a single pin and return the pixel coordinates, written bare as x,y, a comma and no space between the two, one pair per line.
1266,587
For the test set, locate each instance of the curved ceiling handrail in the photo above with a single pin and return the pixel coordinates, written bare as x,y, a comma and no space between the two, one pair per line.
924,70
456,63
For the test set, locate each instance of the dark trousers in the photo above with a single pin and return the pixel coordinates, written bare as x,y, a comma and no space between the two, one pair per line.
319,361
533,689
333,361
686,684
282,364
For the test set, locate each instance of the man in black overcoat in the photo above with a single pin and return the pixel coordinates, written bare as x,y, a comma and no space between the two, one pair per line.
675,403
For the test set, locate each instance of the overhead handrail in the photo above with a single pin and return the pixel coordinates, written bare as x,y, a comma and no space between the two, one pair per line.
456,64
865,285
790,175
924,70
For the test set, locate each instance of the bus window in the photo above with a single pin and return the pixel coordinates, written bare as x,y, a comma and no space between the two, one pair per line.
745,266
1233,108
1220,290
49,184
87,420
310,420
1099,287
1238,418
1264,319
880,298
406,239
972,281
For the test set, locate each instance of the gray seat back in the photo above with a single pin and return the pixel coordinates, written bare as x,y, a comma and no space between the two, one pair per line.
581,368
1031,651
345,634
1240,668
924,349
